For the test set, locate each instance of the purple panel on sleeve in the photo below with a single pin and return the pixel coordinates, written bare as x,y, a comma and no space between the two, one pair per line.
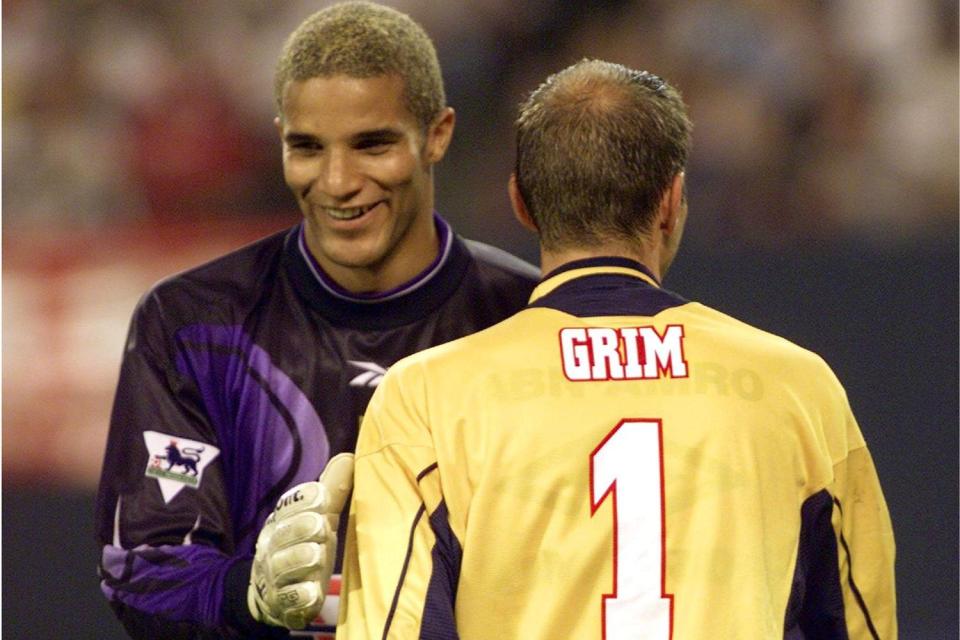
176,582
269,434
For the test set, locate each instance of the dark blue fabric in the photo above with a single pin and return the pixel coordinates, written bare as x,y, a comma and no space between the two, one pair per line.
603,261
815,608
439,622
608,294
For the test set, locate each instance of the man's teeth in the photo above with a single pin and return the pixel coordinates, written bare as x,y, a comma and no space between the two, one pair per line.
347,214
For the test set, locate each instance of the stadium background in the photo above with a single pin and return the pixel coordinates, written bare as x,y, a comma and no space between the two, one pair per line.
137,141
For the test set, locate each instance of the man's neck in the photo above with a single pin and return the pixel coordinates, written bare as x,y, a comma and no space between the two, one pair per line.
417,251
377,278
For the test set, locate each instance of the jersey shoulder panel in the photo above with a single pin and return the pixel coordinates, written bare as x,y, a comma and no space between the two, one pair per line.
235,272
232,279
494,286
756,341
797,376
222,291
493,259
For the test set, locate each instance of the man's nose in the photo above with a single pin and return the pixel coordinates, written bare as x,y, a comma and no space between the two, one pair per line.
338,177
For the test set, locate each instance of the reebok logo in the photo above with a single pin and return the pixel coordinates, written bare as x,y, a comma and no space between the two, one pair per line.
371,376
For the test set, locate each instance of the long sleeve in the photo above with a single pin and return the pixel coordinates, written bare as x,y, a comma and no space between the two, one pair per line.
844,582
402,559
865,534
172,565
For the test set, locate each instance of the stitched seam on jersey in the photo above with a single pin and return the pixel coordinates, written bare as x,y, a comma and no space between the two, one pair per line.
842,460
853,586
403,572
442,566
849,451
387,445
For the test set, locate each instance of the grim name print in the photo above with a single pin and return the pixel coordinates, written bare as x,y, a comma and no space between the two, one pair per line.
623,353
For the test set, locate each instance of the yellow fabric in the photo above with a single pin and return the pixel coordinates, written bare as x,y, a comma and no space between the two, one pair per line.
757,426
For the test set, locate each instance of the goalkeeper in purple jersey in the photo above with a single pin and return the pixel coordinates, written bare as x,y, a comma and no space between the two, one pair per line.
242,377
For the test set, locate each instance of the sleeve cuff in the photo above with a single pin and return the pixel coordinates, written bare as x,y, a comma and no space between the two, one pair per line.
235,611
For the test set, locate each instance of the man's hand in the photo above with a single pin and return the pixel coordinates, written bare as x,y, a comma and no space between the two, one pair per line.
297,547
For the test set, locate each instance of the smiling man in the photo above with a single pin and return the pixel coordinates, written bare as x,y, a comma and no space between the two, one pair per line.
259,365
360,165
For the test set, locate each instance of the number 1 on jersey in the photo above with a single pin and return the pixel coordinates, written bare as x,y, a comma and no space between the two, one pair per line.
627,467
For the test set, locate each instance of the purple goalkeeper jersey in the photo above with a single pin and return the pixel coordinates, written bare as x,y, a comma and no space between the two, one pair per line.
240,379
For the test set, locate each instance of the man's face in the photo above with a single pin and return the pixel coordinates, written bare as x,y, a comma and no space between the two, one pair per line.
360,168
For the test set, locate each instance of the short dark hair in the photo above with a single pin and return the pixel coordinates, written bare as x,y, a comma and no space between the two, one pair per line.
365,40
597,146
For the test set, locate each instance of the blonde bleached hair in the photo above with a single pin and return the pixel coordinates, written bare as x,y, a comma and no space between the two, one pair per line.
365,40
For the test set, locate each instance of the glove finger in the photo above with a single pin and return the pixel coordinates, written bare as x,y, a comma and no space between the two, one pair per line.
299,604
264,541
337,477
306,561
327,495
301,527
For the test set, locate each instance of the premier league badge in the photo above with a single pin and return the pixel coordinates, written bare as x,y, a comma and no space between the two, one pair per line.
176,462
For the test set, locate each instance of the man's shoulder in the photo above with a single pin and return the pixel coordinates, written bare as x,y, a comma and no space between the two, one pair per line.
244,266
507,336
718,332
719,323
227,279
484,286
499,262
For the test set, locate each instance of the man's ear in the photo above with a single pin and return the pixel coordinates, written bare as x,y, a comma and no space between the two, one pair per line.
519,206
279,126
671,205
440,134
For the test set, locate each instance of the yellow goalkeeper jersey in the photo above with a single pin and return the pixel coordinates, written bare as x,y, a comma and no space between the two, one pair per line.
615,462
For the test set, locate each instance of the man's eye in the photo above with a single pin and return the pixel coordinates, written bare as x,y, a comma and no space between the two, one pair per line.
374,146
304,146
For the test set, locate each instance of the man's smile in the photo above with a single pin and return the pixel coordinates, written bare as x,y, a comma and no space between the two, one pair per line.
348,213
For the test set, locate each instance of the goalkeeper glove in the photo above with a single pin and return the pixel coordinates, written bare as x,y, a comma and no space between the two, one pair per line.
297,547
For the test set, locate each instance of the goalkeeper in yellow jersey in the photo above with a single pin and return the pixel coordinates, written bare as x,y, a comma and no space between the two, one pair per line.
613,461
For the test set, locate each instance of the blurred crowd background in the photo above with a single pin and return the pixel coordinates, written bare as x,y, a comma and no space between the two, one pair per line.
138,140
813,118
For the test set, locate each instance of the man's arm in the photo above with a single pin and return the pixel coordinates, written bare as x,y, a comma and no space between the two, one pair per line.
402,560
844,581
866,548
170,565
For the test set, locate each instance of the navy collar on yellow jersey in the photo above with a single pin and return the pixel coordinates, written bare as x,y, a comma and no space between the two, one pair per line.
404,304
604,286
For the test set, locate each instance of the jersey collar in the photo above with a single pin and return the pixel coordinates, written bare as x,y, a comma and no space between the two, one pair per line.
334,289
589,267
404,304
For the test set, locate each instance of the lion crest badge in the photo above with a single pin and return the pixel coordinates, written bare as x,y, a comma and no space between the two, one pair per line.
176,462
